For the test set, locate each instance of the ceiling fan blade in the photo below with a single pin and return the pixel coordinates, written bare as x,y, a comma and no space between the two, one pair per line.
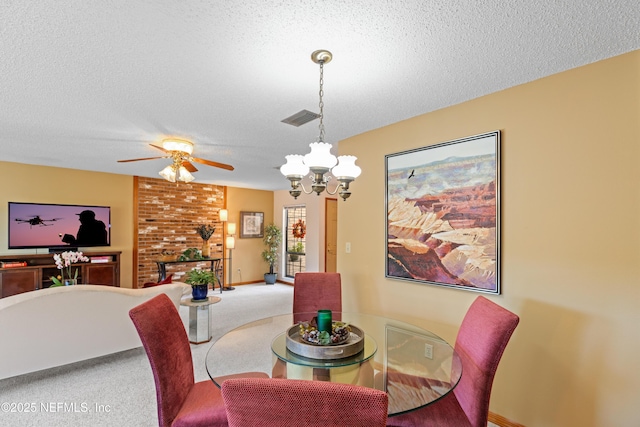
143,158
214,164
158,147
188,166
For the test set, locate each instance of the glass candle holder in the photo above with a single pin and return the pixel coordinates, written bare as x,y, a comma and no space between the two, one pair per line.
324,320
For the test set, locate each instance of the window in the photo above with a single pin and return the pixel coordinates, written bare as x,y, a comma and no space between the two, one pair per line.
295,218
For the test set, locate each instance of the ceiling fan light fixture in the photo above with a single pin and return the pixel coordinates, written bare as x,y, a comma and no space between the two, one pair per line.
177,144
168,173
184,175
179,151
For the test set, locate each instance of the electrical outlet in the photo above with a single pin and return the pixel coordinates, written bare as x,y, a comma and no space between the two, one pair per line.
428,351
347,248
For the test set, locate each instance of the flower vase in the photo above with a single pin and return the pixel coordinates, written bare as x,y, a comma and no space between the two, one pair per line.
69,282
206,249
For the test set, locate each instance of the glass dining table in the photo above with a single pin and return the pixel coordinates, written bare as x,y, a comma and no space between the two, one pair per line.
412,365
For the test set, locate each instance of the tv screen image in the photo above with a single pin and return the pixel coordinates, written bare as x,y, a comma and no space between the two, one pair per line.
39,225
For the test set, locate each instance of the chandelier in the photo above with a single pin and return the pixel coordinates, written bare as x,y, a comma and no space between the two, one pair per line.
320,160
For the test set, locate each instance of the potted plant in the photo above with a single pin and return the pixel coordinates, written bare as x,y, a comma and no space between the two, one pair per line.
296,250
272,238
190,254
64,263
199,281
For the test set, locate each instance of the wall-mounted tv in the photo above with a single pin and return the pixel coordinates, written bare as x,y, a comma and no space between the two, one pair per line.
56,226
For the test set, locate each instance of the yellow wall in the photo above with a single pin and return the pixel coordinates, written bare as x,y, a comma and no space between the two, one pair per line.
570,241
246,256
41,184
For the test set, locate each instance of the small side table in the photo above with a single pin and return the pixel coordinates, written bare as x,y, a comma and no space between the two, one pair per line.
200,319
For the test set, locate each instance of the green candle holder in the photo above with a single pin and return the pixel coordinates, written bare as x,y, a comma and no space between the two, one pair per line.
324,320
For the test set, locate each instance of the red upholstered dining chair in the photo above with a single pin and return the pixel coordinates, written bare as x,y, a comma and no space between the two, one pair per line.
181,401
316,291
312,291
272,402
482,338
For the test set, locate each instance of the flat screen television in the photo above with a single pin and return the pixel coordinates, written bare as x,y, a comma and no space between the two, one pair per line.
56,226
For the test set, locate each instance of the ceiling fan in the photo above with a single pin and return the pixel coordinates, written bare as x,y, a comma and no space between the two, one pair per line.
179,150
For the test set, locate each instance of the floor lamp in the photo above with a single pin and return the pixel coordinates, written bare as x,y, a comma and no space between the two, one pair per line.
223,215
231,244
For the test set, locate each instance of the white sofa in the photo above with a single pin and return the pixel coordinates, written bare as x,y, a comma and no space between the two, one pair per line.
56,326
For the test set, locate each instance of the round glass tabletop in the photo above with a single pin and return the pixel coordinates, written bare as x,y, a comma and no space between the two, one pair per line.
414,366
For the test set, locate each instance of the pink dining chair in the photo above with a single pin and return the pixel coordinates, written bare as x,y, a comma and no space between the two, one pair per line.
316,291
273,402
181,400
482,338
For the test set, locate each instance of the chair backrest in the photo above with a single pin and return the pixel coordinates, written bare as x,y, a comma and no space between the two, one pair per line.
167,345
482,338
270,402
316,291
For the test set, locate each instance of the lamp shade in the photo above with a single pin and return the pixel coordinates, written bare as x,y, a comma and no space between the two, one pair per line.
168,173
320,156
231,242
346,168
185,175
231,228
175,144
294,166
223,214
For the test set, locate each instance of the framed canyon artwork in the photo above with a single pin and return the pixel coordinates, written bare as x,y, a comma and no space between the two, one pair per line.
443,214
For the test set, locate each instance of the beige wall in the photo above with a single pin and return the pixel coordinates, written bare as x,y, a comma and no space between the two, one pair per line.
41,184
570,241
246,256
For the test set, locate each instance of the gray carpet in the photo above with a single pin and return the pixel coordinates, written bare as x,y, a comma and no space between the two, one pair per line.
118,390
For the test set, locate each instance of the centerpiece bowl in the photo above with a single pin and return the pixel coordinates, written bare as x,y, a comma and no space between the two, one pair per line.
303,340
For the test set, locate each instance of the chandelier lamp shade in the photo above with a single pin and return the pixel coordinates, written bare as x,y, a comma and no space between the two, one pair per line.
320,161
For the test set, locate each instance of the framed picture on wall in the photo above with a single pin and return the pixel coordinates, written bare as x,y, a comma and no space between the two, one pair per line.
251,224
443,214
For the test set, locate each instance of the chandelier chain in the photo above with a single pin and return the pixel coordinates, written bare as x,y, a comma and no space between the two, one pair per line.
321,103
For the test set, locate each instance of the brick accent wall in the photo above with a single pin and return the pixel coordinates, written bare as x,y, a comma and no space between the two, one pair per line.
167,214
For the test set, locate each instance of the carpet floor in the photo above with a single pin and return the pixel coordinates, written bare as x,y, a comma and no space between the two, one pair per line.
118,389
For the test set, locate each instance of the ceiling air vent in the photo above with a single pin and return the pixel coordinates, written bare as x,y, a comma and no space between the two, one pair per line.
300,118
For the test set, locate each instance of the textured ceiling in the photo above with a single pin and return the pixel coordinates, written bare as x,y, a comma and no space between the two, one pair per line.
83,83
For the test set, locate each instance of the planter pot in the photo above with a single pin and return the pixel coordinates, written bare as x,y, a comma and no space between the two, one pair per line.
293,257
199,292
270,278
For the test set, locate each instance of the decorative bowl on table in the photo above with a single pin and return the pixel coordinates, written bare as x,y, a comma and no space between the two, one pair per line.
310,334
349,341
